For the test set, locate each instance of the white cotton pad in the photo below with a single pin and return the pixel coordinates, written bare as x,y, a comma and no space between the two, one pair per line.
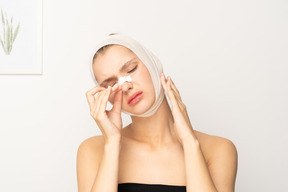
122,80
152,63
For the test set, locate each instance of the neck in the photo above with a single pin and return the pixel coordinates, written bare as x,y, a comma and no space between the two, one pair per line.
155,130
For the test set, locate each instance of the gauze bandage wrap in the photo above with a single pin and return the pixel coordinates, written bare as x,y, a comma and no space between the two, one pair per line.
122,80
152,63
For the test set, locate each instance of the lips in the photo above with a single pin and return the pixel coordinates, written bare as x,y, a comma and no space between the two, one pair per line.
136,96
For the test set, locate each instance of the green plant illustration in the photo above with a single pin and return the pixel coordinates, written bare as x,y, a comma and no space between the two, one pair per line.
9,35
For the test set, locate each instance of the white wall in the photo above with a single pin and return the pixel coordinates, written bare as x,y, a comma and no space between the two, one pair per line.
228,59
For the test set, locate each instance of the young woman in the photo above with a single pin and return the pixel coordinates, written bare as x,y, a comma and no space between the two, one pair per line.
160,150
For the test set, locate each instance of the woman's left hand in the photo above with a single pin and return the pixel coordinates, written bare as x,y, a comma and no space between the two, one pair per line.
182,124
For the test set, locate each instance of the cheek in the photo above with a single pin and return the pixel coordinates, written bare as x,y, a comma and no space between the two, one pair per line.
142,74
147,77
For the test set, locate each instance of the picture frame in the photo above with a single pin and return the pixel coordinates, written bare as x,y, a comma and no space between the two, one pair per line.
21,37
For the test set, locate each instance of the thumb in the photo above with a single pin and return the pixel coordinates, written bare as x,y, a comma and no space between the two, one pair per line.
117,102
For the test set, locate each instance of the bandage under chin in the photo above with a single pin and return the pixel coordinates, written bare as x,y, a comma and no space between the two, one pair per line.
152,63
122,80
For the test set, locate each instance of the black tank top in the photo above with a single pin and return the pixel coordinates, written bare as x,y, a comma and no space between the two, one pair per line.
143,187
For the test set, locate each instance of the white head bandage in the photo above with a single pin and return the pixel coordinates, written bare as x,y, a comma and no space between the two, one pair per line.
152,63
121,80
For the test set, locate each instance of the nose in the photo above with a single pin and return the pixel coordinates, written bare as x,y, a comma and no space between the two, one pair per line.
126,86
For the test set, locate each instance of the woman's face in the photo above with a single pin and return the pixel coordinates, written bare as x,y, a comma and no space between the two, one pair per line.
108,65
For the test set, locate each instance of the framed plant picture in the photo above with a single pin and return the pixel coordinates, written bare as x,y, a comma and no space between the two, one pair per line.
21,37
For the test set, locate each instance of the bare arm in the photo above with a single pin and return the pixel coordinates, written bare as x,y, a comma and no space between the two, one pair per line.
221,174
97,160
223,165
98,171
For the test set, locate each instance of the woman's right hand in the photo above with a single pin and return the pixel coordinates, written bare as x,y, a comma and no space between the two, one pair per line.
109,122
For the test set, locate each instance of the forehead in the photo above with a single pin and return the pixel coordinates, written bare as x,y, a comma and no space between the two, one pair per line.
111,60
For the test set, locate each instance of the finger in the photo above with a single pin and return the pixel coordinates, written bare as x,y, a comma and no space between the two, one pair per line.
163,82
169,91
104,100
117,102
181,105
115,87
173,85
99,101
171,94
176,93
95,104
90,96
94,90
175,90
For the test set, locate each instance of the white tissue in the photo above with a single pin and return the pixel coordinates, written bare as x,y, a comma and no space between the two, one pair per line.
123,79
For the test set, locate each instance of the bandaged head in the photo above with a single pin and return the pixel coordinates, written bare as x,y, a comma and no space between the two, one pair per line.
152,63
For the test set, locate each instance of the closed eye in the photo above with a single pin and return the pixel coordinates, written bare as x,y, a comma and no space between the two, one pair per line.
132,70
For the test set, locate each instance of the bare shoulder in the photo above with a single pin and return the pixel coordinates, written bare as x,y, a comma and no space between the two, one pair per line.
89,155
94,141
212,140
93,145
213,145
222,160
